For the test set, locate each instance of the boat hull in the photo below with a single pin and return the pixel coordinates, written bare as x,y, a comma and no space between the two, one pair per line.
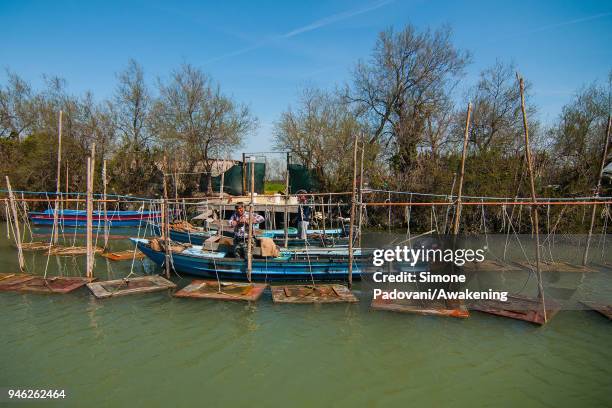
329,269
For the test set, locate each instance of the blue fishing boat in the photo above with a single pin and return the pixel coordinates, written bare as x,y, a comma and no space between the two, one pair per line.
289,266
198,235
78,218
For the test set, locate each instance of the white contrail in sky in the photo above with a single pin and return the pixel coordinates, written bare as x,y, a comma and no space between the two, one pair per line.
556,25
304,29
336,17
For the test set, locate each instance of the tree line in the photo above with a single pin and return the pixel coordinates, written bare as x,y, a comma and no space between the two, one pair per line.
403,100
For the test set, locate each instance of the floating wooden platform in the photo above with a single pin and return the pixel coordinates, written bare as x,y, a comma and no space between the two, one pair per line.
333,293
59,250
38,284
519,308
459,311
128,254
603,265
491,265
10,278
556,267
35,246
70,234
209,289
122,287
605,310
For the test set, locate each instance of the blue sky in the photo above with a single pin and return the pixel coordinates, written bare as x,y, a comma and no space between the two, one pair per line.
262,53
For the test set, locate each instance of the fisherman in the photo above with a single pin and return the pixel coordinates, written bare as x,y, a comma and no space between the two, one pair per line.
240,221
304,215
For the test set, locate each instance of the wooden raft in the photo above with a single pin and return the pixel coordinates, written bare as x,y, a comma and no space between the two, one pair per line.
37,284
209,289
605,310
333,293
459,310
519,308
128,254
546,266
59,250
122,287
35,246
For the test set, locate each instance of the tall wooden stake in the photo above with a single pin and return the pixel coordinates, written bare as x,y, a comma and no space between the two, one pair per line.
104,204
59,172
286,209
604,157
352,220
17,231
251,208
534,206
244,176
466,136
166,223
361,191
89,233
220,230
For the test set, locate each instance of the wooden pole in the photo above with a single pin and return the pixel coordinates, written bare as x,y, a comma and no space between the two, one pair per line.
17,231
466,136
352,220
89,233
104,204
220,230
244,176
166,224
286,208
66,178
93,163
604,157
59,170
251,207
323,217
361,191
534,208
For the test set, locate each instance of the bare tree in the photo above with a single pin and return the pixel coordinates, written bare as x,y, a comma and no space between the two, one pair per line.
579,137
131,105
17,115
400,90
193,116
496,115
319,133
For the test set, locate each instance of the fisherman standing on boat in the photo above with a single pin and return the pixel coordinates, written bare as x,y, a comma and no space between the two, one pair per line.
240,221
304,215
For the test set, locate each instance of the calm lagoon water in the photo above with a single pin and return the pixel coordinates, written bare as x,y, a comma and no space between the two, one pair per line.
157,351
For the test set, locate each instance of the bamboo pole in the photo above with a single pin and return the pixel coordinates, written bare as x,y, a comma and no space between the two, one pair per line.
604,157
466,136
250,234
220,229
166,224
286,208
104,184
244,176
534,208
361,192
89,233
17,231
59,169
352,219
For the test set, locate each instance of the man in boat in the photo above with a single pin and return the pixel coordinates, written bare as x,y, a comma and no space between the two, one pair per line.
240,222
304,214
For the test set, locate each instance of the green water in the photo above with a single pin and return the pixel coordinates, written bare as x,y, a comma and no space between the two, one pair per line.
157,351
